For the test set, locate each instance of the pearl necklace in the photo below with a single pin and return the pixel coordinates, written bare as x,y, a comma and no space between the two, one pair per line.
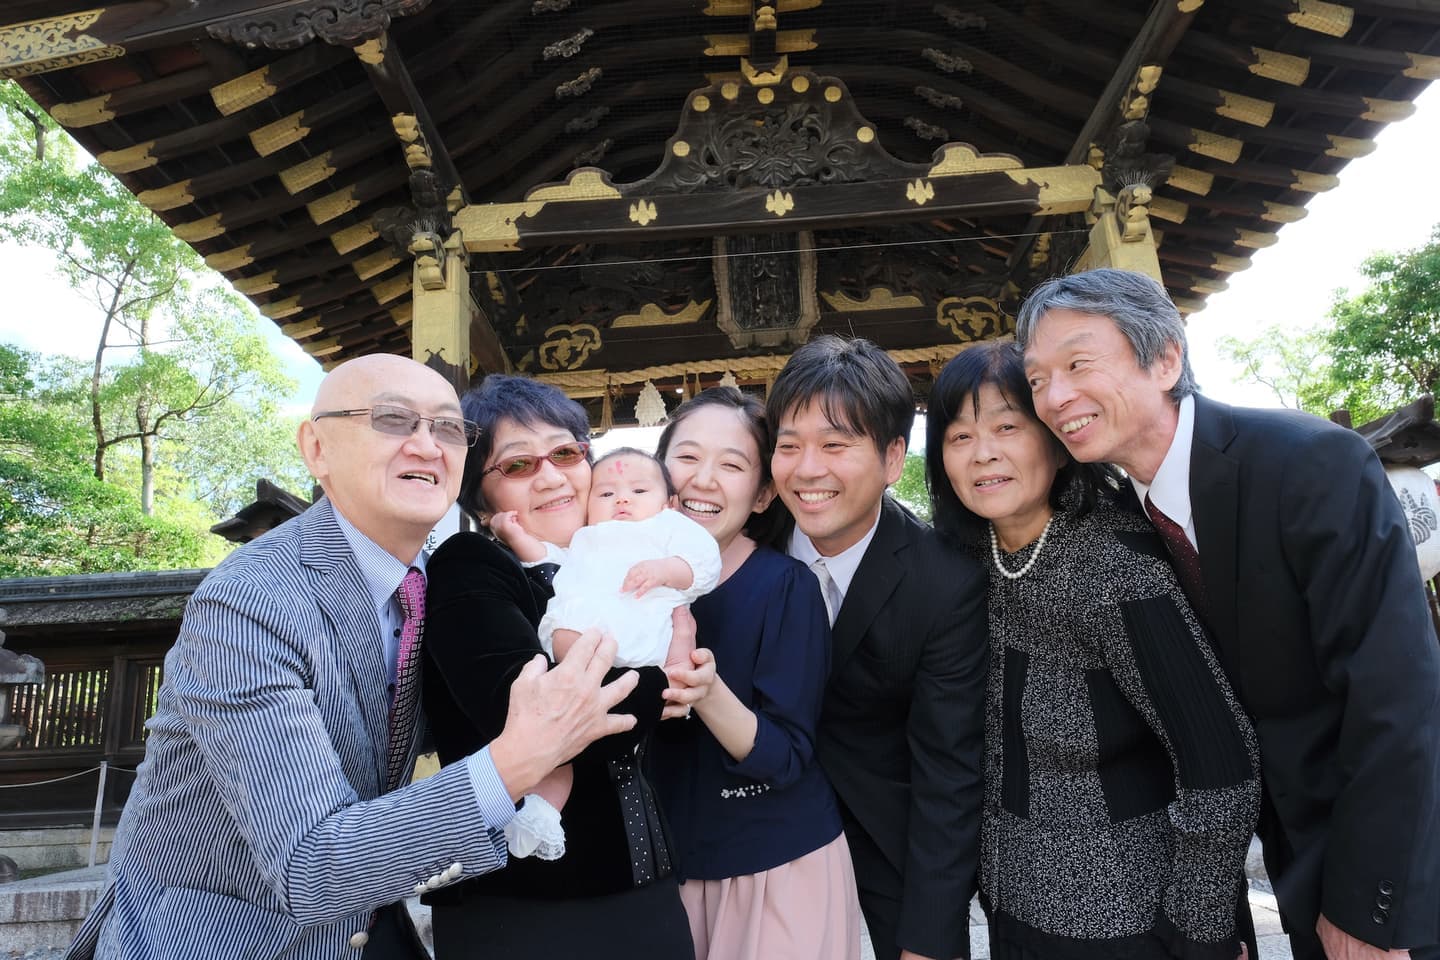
1017,574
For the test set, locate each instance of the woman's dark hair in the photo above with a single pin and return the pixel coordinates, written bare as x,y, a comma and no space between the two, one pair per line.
1002,365
527,402
637,452
768,526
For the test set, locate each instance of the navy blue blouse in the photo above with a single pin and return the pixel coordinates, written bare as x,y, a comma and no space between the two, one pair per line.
771,639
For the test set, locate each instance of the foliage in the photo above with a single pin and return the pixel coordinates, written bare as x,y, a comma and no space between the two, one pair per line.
1377,350
910,489
55,517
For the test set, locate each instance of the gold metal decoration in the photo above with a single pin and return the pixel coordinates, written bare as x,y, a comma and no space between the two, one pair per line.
1280,67
1282,212
1067,189
1331,19
298,329
276,136
280,309
1214,146
568,345
643,212
585,184
1255,239
302,176
260,283
333,205
680,148
876,298
246,90
1131,212
865,134
795,41
406,127
1314,182
322,348
1172,211
833,94
957,159
800,83
730,90
129,159
764,78
1386,111
52,43
1251,110
197,230
83,113
1348,148
1191,180
654,315
1422,67
391,289
765,18
372,51
232,259
1227,264
353,237
403,314
1189,6
727,45
374,264
972,318
919,192
490,227
779,203
167,198
700,103
741,8
765,95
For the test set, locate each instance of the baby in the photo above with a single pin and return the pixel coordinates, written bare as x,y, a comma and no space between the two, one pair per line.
623,573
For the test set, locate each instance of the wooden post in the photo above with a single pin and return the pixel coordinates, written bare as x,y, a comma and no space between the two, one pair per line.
1121,236
443,307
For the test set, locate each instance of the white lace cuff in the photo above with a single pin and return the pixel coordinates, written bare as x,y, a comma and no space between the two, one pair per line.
535,830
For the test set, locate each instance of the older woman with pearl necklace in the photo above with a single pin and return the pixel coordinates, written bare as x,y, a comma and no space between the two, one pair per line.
1121,776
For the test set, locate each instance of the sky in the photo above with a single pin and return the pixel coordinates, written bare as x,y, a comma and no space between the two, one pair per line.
1387,201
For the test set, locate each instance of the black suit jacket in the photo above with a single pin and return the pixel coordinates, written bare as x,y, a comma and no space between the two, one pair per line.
902,727
1315,602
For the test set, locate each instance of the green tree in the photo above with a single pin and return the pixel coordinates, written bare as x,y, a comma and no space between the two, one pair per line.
1377,350
55,516
910,489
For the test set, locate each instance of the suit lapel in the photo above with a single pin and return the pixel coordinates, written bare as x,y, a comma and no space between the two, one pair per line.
875,580
344,600
1215,502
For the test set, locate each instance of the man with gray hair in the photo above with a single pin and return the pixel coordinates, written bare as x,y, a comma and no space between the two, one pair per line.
1293,550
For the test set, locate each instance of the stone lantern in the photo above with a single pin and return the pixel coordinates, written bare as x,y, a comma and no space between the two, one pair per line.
15,669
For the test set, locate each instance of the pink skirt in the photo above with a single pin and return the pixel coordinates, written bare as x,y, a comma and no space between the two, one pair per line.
802,910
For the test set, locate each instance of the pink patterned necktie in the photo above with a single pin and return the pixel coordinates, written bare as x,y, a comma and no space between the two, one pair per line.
411,595
1184,558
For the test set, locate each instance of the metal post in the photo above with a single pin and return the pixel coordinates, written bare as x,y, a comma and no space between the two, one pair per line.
99,802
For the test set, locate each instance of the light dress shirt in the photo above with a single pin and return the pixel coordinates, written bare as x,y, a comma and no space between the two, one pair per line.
382,574
843,565
1170,489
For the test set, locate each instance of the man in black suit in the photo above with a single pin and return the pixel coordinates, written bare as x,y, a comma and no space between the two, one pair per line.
901,731
1288,539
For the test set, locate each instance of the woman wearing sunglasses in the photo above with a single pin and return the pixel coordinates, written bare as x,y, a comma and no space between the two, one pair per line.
613,893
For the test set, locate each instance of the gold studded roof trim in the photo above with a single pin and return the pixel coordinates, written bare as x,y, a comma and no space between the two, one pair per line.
1331,19
1215,146
251,286
1191,180
353,237
1255,112
304,175
333,205
83,113
246,90
307,327
129,159
167,198
1280,67
1164,208
279,309
232,259
197,230
276,136
374,264
392,288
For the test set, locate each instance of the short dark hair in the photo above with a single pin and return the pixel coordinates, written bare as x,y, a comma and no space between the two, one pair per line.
528,402
858,386
1002,365
1136,303
765,527
653,458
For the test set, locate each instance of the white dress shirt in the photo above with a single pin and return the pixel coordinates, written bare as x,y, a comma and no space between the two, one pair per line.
1170,490
843,565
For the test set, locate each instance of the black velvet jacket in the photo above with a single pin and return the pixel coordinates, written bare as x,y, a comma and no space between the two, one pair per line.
481,614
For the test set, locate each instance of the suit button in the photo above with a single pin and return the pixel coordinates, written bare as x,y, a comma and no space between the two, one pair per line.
1386,887
1383,902
1381,917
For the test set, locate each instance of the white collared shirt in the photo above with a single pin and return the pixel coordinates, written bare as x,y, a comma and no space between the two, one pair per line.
1170,490
382,574
843,565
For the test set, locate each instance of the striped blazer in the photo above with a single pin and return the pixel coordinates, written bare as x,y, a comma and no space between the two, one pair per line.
256,827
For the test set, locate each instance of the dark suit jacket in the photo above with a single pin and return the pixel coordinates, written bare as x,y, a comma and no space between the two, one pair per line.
902,727
1317,609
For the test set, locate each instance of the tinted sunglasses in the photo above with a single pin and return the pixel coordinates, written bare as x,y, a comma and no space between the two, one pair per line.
528,464
402,421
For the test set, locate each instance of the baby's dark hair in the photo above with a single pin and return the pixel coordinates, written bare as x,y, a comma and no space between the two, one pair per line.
637,452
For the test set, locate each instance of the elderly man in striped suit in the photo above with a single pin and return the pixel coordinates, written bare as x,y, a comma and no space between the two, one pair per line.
268,820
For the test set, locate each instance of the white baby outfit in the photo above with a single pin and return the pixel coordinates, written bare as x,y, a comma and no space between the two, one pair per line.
587,586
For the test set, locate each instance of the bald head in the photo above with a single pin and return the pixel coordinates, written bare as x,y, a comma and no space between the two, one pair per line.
391,486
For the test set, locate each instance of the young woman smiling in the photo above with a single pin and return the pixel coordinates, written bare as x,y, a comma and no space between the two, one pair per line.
1121,776
765,869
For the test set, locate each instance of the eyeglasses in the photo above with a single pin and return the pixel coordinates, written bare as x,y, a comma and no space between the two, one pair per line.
402,422
528,464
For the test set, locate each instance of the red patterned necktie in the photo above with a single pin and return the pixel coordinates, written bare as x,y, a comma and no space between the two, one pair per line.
411,595
1183,556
